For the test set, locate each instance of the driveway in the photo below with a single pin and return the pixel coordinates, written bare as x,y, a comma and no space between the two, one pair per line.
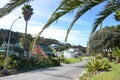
64,72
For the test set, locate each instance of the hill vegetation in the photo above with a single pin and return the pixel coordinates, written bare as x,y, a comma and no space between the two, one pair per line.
105,39
19,37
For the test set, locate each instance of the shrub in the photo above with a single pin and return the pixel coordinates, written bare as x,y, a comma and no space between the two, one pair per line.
85,76
94,65
55,61
99,56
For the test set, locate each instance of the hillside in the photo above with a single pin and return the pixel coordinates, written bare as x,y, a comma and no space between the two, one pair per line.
17,36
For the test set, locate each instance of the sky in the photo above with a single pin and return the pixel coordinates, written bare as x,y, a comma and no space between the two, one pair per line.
42,11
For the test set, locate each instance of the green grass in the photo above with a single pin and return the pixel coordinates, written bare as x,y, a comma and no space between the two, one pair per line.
113,74
73,60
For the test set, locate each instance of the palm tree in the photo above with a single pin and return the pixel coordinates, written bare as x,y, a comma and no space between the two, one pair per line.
82,6
27,11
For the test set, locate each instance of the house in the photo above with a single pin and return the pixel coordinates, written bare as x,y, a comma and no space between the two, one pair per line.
38,51
54,46
42,49
71,53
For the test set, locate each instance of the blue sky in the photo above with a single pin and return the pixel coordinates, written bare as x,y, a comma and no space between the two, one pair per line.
42,11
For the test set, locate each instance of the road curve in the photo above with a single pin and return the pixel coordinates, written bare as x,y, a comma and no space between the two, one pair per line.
64,72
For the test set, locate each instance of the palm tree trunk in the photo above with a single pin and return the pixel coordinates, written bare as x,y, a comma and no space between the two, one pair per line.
25,40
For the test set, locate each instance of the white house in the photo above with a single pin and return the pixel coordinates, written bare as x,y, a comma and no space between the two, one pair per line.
71,53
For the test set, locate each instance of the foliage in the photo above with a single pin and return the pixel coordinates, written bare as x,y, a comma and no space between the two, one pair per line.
117,54
55,61
21,63
2,57
99,56
82,6
18,49
11,5
117,15
94,65
85,76
108,39
112,74
14,36
27,11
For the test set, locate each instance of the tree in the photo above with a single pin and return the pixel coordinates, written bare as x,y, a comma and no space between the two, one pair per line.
27,11
82,6
108,39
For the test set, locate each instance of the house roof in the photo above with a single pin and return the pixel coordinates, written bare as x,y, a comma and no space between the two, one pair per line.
46,48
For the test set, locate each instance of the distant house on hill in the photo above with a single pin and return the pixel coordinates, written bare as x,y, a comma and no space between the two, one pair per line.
42,50
54,46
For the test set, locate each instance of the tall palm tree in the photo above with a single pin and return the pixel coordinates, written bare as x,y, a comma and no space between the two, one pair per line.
82,6
27,11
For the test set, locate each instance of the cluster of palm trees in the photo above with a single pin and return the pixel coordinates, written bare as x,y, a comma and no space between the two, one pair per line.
65,7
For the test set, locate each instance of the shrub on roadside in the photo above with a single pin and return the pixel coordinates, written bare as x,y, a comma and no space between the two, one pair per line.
94,65
99,56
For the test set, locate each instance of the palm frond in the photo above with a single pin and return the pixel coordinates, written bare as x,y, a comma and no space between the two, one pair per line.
109,9
80,12
65,7
11,5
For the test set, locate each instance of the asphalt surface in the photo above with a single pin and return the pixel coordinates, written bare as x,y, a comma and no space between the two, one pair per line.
63,72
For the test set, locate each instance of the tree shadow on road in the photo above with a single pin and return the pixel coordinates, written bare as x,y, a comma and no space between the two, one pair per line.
59,76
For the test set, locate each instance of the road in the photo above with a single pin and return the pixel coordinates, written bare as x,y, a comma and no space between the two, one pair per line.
64,72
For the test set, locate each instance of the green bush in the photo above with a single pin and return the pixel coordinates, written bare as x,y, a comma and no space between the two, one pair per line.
20,63
1,65
85,76
99,56
94,65
55,61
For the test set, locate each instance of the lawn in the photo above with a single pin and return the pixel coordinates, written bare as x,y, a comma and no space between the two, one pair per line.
73,60
113,74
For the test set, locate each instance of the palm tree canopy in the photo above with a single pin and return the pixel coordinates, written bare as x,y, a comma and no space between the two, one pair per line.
11,5
82,6
27,11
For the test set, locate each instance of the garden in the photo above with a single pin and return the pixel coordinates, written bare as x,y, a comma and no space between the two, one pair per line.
15,64
101,67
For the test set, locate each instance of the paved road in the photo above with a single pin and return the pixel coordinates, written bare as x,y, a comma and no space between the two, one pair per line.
64,72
